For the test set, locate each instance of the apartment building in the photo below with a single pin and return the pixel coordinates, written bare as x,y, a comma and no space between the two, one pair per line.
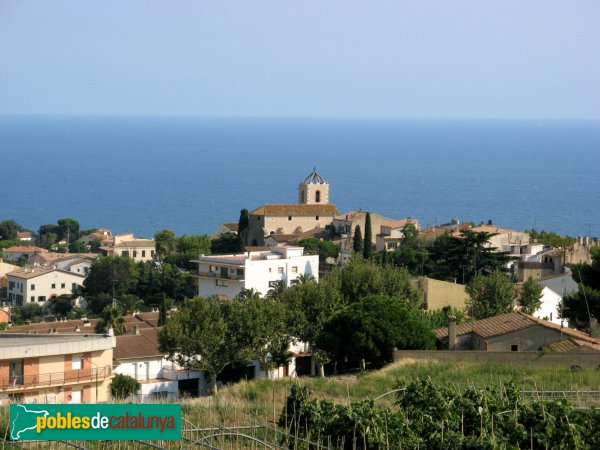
55,368
225,276
37,284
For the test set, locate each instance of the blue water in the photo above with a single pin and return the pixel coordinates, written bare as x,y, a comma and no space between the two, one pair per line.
189,174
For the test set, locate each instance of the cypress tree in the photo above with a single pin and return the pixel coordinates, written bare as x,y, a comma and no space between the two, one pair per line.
367,244
243,224
357,244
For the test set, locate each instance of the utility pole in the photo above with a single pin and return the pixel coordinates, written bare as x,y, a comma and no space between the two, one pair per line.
423,253
590,225
463,267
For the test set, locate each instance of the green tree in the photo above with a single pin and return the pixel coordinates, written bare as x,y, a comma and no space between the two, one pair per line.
490,295
68,229
262,327
62,305
9,229
551,239
372,328
189,248
122,386
110,273
226,243
111,317
410,235
325,249
129,303
243,224
310,306
357,243
29,312
361,278
530,297
277,289
368,242
462,258
586,301
166,243
48,235
78,247
201,335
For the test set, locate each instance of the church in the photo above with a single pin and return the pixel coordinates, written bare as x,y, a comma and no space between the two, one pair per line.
312,212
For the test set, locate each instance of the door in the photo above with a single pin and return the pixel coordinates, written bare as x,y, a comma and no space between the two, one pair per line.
76,396
15,372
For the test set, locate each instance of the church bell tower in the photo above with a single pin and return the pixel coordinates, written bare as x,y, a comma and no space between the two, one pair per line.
314,190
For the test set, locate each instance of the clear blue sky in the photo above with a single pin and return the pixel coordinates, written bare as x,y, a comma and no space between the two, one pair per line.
420,58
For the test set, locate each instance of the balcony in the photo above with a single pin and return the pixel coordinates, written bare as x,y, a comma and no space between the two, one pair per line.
217,275
22,382
175,373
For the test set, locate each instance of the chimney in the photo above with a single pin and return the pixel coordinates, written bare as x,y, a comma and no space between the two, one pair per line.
451,333
136,329
593,327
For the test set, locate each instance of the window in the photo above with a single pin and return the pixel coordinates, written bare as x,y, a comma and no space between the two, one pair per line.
318,197
223,283
73,285
280,270
42,298
125,253
33,287
289,218
316,217
15,372
62,285
294,269
514,348
53,286
76,363
134,253
270,270
152,253
33,298
143,253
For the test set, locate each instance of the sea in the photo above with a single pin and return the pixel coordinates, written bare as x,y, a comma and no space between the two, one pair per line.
188,174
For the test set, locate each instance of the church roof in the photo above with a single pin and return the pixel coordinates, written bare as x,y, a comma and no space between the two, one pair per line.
295,210
314,178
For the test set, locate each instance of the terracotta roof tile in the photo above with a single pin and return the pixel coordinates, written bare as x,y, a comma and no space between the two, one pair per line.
508,323
295,210
25,249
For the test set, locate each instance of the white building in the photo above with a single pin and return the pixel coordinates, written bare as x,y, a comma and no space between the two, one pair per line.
226,275
39,284
138,356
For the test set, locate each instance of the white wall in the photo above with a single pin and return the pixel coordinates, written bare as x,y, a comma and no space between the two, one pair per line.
548,310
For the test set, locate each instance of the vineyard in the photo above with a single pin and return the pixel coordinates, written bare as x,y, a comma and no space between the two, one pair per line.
402,406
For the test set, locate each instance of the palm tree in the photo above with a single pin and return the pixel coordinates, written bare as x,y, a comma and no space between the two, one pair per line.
277,289
129,303
248,294
304,279
111,317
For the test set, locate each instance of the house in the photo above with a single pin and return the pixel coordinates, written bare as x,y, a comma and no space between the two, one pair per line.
24,236
98,235
55,368
345,224
437,294
14,254
127,245
390,236
312,211
138,356
225,276
224,228
73,262
549,262
5,268
276,240
36,284
512,332
502,237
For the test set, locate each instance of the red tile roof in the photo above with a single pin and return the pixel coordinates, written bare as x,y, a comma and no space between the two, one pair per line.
25,249
295,210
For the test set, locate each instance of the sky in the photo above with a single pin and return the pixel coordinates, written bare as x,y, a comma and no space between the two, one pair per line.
310,58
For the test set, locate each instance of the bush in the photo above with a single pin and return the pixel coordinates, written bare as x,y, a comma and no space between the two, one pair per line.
122,386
